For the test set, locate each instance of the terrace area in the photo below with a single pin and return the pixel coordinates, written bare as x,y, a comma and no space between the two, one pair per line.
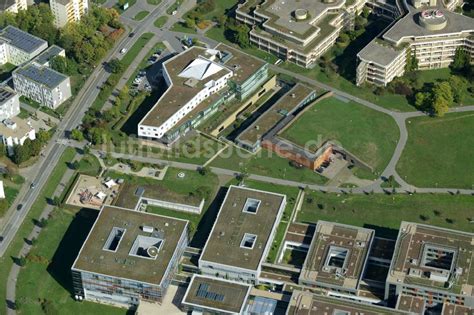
337,255
431,257
216,294
118,244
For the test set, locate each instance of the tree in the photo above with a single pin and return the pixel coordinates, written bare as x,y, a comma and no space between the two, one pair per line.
21,153
96,135
411,63
43,136
241,36
461,60
443,90
77,135
440,106
458,87
221,20
189,23
204,170
421,99
115,65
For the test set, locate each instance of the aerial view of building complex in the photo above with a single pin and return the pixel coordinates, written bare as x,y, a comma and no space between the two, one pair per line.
237,157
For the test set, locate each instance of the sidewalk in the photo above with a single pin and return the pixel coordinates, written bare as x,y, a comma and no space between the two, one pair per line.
15,270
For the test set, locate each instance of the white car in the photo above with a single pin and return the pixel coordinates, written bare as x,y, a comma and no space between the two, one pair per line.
123,50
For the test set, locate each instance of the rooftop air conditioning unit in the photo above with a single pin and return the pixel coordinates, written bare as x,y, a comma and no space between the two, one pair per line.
148,229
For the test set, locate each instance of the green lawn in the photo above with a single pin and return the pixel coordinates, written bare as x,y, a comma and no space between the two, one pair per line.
141,15
385,212
89,165
265,163
439,151
370,135
46,278
180,27
153,2
161,21
11,186
6,261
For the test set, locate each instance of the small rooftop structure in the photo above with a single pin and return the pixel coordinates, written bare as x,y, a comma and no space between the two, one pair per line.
45,57
306,303
21,39
129,244
434,258
216,295
337,256
243,231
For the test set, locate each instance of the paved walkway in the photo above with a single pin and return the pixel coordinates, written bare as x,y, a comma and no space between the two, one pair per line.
15,270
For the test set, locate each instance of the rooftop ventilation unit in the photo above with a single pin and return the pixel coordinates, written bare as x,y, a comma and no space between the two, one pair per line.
148,229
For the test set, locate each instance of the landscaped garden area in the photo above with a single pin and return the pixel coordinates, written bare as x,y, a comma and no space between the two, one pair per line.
265,163
439,151
370,135
384,212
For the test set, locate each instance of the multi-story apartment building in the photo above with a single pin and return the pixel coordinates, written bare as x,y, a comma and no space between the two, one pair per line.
9,103
42,84
13,6
129,256
433,266
15,131
18,47
431,34
301,31
199,81
337,259
67,11
242,234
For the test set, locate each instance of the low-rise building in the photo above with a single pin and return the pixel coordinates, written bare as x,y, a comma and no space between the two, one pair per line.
307,303
129,256
14,131
199,81
431,35
9,103
18,47
301,31
433,265
337,259
42,84
12,6
67,11
46,56
207,295
242,234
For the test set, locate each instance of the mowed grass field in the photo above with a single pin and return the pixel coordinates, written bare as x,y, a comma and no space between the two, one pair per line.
370,135
439,151
385,212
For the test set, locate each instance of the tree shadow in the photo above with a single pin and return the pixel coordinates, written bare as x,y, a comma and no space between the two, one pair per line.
68,248
347,58
207,221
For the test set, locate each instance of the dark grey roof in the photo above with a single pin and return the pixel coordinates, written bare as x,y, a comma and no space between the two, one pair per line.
48,54
21,39
5,94
5,4
42,75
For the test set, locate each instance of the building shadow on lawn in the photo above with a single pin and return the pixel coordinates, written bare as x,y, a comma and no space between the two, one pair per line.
71,243
207,221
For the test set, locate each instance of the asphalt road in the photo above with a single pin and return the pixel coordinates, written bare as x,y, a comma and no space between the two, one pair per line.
53,151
